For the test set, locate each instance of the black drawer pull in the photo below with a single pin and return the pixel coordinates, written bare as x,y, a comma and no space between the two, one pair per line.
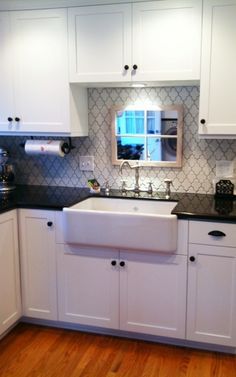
217,233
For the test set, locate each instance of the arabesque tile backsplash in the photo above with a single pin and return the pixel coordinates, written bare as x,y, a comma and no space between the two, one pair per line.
199,156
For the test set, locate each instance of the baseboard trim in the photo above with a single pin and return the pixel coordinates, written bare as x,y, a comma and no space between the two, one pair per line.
131,335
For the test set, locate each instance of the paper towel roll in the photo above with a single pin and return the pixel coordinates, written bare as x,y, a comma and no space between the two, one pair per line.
44,147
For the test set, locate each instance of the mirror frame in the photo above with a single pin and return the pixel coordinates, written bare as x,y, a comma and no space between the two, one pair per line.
165,164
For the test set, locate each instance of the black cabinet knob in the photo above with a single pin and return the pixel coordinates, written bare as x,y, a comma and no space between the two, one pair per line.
10,119
135,67
122,264
113,262
192,259
202,121
49,223
126,67
216,233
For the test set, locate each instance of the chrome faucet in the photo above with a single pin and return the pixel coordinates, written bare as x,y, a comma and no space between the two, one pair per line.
136,188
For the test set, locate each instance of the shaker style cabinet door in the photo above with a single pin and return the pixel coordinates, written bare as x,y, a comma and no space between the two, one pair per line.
39,53
153,293
10,297
88,286
217,113
38,263
6,77
166,40
147,41
36,98
100,43
212,294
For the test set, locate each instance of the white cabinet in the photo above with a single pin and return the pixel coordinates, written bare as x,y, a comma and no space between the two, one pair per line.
218,70
99,43
88,286
6,73
38,263
166,40
132,291
212,284
10,298
140,42
153,293
37,98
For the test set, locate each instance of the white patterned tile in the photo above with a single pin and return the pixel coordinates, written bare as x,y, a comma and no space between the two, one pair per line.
199,156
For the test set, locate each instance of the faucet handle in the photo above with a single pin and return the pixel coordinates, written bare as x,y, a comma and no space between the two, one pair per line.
150,188
107,188
168,183
123,185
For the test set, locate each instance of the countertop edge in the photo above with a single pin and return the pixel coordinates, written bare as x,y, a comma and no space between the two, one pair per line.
189,206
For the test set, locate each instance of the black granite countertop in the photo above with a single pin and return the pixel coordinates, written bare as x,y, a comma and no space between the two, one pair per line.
189,206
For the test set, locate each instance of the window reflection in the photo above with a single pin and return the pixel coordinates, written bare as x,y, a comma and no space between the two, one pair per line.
148,135
130,122
130,148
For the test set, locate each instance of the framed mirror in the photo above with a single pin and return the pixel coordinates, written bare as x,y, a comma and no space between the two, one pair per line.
149,134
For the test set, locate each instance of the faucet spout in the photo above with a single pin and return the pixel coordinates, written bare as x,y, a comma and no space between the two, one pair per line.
124,162
136,167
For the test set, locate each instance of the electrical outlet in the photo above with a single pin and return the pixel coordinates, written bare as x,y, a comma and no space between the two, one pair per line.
86,163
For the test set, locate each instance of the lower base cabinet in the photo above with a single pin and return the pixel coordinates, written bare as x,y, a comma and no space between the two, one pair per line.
38,263
10,297
212,295
88,286
133,291
153,293
211,309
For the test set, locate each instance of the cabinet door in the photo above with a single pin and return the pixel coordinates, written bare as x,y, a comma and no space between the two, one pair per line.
39,52
10,307
6,82
38,263
88,286
100,43
166,40
212,295
218,70
153,294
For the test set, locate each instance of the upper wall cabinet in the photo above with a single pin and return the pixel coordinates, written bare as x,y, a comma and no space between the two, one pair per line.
99,43
150,41
166,40
218,70
35,94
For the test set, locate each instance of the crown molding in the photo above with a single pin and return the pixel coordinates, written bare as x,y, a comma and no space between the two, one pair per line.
6,5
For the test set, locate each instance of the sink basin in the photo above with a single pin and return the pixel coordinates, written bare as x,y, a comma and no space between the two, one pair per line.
122,223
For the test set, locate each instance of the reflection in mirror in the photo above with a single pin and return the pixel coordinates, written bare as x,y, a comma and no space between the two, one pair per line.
151,135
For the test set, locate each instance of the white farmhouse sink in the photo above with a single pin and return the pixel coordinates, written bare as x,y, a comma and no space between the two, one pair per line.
122,223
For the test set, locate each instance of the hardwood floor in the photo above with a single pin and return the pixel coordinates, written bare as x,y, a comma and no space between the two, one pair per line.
34,351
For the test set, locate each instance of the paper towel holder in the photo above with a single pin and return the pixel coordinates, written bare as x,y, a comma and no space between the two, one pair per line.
66,146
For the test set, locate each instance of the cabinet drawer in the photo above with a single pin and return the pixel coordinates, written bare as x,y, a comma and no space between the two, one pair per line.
221,234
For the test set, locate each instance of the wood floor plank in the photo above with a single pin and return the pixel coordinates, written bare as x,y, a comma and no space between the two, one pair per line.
35,351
